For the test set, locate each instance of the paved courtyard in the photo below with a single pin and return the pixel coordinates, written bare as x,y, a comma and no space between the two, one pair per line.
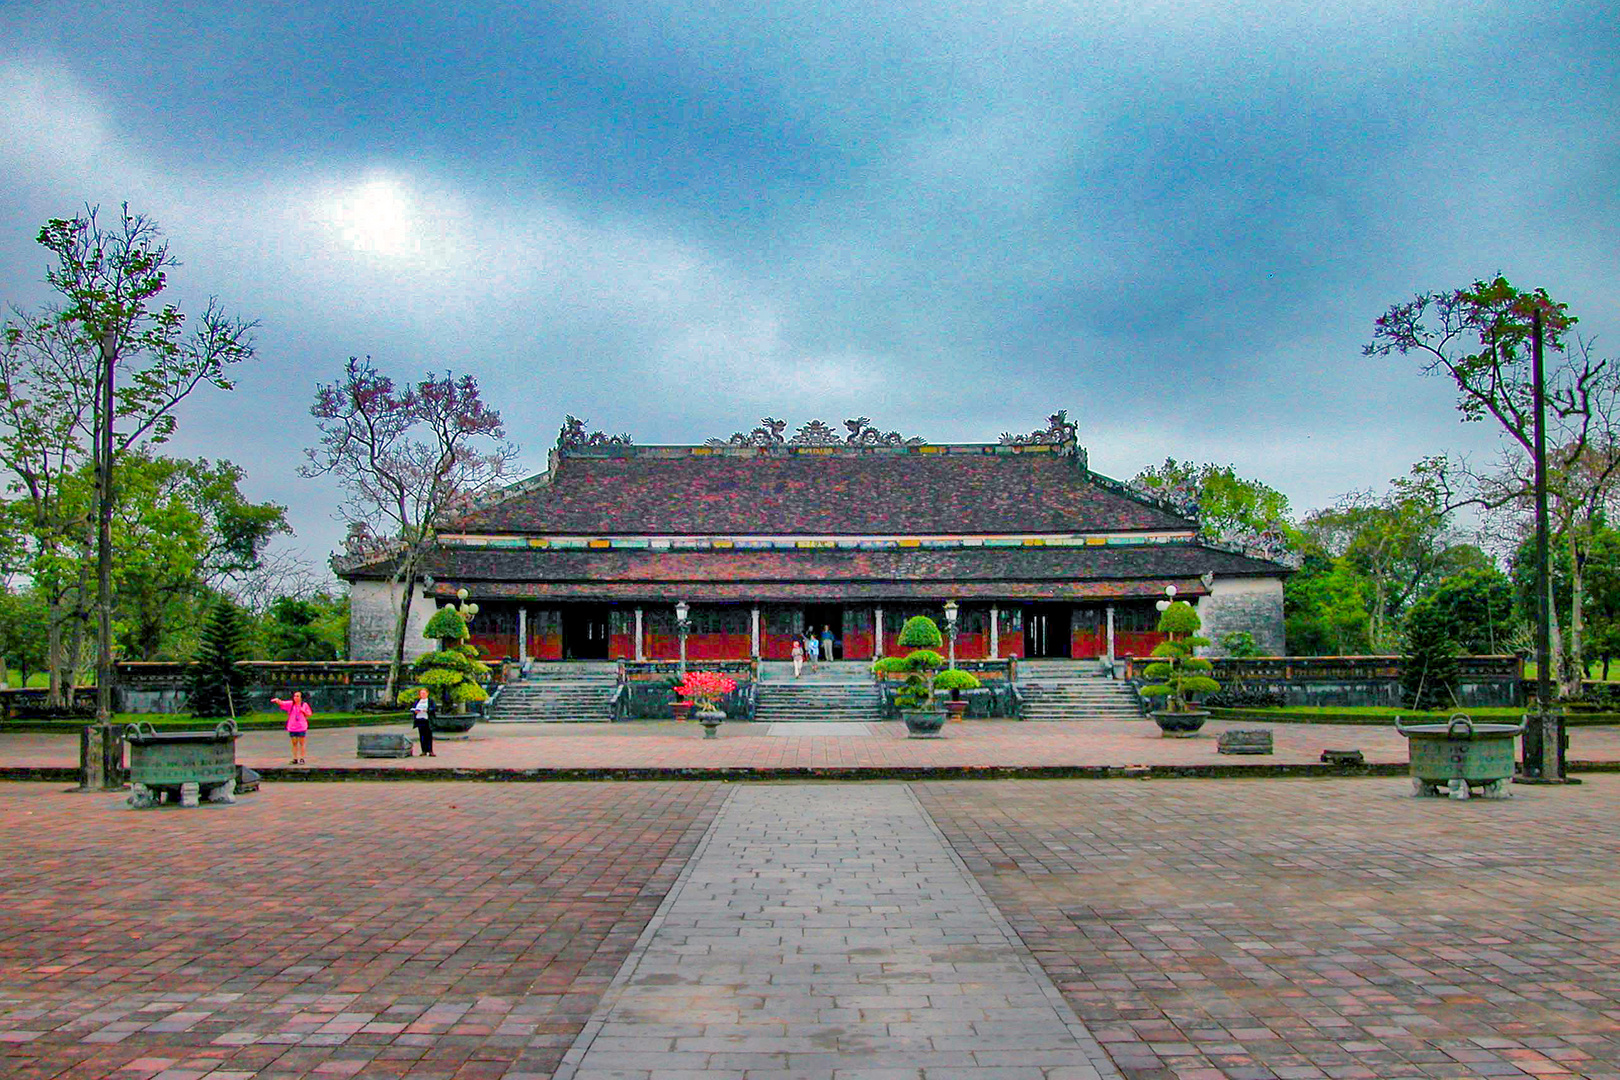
1249,929
655,745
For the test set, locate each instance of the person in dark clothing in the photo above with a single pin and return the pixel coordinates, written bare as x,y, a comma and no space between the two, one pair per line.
422,717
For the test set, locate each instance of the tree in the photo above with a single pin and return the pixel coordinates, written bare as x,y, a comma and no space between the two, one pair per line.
313,629
183,533
113,366
1326,603
217,687
453,672
1429,661
1397,542
1181,673
1231,510
24,620
1482,339
407,459
1475,609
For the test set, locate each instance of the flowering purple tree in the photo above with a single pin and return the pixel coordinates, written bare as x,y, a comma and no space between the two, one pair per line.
408,458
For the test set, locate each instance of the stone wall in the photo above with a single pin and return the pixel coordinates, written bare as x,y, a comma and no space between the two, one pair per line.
1251,604
373,608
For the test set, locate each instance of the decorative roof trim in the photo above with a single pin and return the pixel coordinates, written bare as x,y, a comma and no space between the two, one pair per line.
792,543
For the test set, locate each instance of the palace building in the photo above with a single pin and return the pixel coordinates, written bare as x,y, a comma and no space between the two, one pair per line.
763,537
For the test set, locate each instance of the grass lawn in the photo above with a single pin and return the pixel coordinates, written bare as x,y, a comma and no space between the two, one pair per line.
1594,672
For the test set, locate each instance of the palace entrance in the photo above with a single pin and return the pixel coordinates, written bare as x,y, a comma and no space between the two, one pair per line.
585,632
1046,631
818,615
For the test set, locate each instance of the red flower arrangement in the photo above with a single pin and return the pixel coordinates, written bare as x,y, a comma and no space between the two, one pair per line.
706,688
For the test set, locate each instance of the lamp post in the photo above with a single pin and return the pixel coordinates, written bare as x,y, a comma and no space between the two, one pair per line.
950,627
1169,598
683,626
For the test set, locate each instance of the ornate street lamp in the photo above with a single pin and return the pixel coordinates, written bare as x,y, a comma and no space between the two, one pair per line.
683,626
950,627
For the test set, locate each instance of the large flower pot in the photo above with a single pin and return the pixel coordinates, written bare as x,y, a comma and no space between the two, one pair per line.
448,723
1180,725
923,725
681,709
956,709
711,719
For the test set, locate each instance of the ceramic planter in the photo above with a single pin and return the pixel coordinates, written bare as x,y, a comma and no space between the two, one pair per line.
1180,725
923,725
711,719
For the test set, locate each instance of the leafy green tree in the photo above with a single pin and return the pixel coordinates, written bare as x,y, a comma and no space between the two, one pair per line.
217,687
87,380
1325,606
1429,661
183,532
1397,543
921,635
24,629
1230,509
1477,611
313,629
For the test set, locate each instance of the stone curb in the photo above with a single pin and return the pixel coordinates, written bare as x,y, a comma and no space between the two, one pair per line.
1221,771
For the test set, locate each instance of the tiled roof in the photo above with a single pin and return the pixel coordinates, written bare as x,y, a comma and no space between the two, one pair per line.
906,493
995,571
828,591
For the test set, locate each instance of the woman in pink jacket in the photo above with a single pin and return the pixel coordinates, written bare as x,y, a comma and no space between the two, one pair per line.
298,714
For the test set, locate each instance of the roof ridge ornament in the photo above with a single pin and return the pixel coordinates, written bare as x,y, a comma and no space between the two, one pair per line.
573,434
1059,431
817,433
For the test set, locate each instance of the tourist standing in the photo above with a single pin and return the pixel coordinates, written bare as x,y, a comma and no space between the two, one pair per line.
827,643
812,648
298,714
422,717
798,657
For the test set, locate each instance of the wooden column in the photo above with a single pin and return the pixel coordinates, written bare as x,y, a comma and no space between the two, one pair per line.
755,630
877,621
523,634
995,631
640,638
1109,649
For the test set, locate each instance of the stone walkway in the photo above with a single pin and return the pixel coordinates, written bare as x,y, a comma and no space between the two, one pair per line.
828,933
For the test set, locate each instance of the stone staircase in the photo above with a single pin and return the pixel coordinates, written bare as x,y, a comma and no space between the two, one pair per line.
554,698
1074,690
816,702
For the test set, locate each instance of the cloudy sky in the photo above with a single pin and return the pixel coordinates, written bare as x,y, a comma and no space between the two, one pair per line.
1175,218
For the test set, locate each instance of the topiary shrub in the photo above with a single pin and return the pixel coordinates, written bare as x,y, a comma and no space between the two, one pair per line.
453,673
890,665
921,635
1181,673
956,680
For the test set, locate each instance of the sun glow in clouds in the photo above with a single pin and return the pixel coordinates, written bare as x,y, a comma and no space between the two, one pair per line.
377,217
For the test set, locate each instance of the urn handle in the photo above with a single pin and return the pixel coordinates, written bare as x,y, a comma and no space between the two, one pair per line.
1460,726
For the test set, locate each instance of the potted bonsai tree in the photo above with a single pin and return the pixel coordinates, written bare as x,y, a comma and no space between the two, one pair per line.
915,697
452,674
705,689
1179,671
956,681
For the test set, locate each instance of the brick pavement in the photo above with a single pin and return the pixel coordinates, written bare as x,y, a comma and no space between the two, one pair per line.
1313,928
822,932
422,930
654,745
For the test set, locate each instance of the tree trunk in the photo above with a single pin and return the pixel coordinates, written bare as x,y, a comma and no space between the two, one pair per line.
1555,645
408,578
1575,672
53,653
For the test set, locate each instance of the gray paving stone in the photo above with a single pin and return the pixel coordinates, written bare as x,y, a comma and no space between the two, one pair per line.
827,933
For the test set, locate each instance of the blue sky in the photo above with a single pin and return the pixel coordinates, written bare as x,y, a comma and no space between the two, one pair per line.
1175,219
